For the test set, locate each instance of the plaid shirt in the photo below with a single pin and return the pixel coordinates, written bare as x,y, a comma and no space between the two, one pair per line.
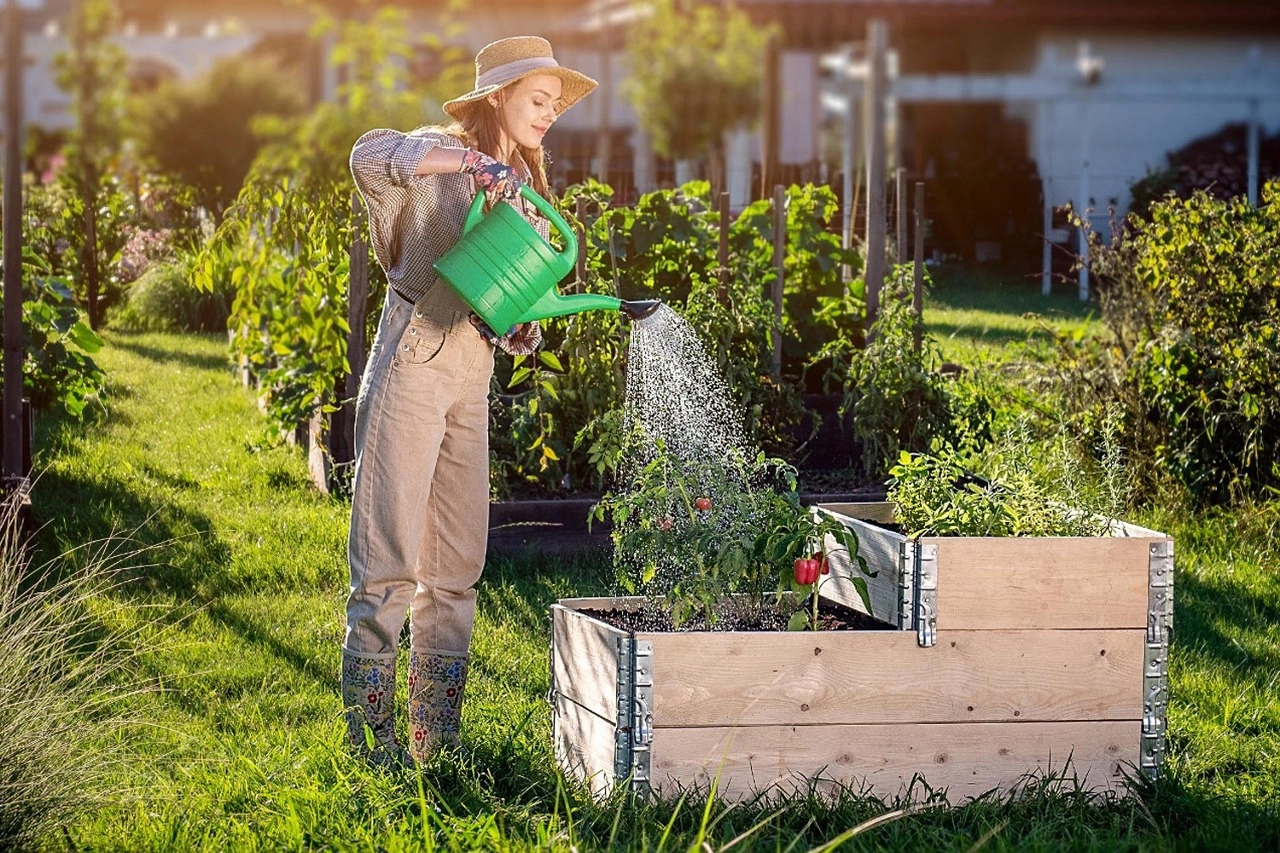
414,219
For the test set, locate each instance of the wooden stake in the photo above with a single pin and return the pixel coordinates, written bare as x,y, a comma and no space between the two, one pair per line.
900,190
917,301
722,249
877,48
779,263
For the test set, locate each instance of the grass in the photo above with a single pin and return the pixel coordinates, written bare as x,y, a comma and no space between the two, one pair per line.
980,317
243,747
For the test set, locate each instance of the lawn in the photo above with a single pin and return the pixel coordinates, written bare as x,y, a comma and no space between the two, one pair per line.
984,317
242,573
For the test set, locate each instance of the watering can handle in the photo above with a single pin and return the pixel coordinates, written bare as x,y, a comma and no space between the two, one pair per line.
476,213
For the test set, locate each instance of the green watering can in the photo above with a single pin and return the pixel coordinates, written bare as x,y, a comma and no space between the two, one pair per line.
507,274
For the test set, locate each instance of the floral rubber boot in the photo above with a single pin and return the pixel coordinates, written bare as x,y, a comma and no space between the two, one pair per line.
368,698
436,682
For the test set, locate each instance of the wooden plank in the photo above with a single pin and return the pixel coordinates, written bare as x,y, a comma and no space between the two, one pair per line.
965,758
879,547
1067,582
584,745
840,677
584,664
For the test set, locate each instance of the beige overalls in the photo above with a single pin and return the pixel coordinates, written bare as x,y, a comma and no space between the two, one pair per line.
420,507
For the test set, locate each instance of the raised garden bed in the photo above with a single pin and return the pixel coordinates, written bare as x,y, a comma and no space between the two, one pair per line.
1010,656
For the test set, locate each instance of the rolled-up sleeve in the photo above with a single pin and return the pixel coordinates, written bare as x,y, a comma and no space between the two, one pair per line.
385,158
384,164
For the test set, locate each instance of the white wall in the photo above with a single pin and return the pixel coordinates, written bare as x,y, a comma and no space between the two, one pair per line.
1132,117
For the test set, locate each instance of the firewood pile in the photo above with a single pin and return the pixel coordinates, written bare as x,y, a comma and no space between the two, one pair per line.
1217,163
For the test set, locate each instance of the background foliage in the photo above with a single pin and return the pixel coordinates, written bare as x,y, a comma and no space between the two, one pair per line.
91,71
200,132
1191,309
686,99
665,246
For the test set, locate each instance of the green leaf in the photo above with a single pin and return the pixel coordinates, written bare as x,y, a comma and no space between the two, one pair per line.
84,337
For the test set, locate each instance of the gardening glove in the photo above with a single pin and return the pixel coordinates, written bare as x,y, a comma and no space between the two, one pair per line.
498,180
521,339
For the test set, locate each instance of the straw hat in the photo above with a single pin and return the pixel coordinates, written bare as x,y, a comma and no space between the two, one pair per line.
505,61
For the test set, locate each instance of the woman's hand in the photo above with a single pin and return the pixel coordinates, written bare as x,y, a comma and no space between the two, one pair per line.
498,180
522,339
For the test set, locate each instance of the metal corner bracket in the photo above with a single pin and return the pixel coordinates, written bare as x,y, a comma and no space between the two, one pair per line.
1155,671
634,731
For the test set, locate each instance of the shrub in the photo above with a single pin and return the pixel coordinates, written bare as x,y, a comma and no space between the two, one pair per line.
1191,352
164,300
200,132
58,370
664,246
63,735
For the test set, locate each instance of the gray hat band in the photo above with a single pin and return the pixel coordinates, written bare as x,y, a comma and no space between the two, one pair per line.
510,71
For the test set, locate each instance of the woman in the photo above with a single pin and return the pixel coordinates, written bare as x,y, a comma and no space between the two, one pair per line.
420,508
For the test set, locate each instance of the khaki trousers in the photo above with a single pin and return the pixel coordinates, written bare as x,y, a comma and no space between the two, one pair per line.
420,507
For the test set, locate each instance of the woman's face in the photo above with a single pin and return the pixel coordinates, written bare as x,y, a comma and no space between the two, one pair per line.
526,110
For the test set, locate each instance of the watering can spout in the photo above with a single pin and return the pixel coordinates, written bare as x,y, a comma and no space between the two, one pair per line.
639,309
554,304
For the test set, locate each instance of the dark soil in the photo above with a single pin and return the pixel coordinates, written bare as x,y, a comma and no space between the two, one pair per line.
655,617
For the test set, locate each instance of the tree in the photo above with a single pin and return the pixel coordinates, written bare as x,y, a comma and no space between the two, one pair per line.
696,72
92,71
201,132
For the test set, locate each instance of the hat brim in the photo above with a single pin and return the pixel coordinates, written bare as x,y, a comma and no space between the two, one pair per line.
576,87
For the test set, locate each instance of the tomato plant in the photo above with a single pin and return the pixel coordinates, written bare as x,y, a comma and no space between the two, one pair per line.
667,546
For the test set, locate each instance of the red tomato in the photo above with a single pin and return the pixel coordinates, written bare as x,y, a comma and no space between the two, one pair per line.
702,504
666,523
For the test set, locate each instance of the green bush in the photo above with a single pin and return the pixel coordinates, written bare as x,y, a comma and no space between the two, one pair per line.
173,125
1191,354
58,370
163,299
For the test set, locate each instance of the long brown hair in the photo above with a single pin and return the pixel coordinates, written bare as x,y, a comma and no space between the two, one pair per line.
480,129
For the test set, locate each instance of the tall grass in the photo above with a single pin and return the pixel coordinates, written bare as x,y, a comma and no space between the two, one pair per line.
64,671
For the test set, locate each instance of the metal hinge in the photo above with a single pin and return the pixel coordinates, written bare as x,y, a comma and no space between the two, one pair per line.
1155,672
918,584
634,732
906,585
